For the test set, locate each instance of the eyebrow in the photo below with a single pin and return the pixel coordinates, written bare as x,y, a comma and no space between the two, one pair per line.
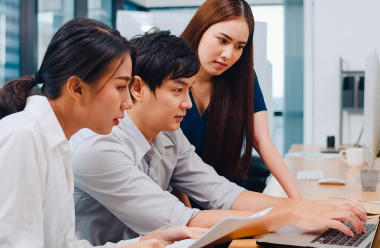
178,81
228,37
126,78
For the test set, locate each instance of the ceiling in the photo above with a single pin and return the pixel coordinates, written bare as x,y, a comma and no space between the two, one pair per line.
192,3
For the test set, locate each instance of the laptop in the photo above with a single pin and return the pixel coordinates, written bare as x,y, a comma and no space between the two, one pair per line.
294,237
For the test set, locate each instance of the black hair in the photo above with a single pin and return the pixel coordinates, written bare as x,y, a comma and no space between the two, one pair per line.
161,55
81,47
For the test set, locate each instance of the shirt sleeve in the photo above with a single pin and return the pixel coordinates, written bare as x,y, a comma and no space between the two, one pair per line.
200,181
259,103
104,170
22,189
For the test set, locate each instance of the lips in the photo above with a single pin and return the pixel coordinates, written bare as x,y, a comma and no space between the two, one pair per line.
180,117
116,120
220,65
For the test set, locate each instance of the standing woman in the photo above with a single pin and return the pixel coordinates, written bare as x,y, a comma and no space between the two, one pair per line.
228,118
85,75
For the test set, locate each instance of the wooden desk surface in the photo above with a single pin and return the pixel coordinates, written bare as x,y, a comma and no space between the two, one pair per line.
310,189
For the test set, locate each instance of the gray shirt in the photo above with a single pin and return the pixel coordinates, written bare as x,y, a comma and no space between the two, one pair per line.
122,183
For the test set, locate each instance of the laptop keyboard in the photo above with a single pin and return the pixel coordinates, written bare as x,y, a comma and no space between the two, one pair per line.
335,237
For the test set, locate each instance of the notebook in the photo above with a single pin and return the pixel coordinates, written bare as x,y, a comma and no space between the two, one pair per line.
219,230
295,237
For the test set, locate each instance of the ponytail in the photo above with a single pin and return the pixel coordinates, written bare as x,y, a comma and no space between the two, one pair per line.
14,94
81,47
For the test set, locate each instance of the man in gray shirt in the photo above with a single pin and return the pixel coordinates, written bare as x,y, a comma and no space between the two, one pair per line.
123,180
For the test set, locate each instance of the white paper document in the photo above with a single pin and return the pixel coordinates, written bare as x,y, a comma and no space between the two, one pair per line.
219,230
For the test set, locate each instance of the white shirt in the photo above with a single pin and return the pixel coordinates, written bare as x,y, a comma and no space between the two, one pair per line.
36,192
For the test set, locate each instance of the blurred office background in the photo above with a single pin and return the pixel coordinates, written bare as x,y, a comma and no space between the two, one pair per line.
305,40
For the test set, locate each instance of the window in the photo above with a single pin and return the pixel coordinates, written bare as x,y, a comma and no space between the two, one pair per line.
273,15
9,40
100,10
51,15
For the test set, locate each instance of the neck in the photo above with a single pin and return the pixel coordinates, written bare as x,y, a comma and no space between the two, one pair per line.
203,76
65,118
142,123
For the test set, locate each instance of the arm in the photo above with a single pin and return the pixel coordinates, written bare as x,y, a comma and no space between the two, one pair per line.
108,172
305,214
156,239
182,197
21,191
201,182
270,155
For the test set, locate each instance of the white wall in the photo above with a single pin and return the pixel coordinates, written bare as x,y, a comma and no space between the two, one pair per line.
340,28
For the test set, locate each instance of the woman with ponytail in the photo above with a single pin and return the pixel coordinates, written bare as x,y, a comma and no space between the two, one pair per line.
85,77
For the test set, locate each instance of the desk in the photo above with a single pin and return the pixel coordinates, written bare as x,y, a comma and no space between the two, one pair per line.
310,189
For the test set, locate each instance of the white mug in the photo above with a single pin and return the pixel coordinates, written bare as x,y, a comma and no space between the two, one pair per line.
354,156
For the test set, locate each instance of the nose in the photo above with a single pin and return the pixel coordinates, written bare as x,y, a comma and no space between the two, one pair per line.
186,103
227,52
127,103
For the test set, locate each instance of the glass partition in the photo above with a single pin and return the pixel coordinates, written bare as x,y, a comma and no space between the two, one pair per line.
9,40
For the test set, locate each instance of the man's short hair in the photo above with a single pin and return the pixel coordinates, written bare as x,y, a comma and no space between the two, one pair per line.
161,55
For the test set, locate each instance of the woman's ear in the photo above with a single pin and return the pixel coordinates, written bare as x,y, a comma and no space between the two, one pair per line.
137,88
77,89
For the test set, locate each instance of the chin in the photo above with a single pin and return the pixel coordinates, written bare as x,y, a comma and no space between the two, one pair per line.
103,131
216,72
172,128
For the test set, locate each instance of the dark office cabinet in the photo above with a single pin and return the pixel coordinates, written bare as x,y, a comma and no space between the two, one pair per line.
352,93
348,92
361,92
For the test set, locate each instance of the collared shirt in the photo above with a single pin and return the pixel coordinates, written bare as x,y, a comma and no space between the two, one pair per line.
37,185
123,182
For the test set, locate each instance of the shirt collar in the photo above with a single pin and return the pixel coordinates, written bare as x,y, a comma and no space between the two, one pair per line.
40,107
128,127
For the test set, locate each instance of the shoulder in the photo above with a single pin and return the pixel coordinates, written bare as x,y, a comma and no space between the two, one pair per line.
96,154
178,141
23,145
22,126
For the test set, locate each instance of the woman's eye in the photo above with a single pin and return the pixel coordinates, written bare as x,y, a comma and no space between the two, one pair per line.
178,90
122,87
239,47
221,40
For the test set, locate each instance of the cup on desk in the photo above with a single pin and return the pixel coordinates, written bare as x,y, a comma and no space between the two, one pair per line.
369,179
354,156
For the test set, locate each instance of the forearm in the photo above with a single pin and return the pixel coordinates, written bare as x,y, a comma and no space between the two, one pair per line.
278,168
208,218
276,218
249,200
246,204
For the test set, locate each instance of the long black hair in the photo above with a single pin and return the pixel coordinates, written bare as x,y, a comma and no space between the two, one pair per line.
81,47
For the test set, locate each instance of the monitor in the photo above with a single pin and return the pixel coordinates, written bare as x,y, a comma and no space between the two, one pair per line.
371,108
